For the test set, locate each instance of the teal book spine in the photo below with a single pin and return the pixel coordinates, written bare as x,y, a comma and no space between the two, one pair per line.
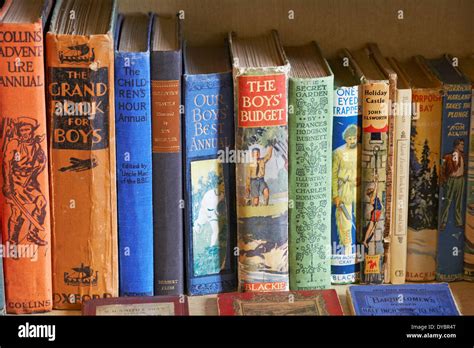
310,148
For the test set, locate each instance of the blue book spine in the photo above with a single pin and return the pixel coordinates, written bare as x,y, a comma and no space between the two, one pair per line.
134,172
210,184
403,300
454,165
345,183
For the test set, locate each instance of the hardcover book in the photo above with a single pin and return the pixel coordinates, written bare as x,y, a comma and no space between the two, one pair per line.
168,204
297,303
425,138
260,71
137,306
467,66
375,96
391,193
454,163
134,164
401,300
2,287
80,63
24,198
346,155
209,177
402,112
311,85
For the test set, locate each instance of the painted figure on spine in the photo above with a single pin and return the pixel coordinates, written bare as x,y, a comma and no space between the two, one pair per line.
256,185
24,160
452,178
344,186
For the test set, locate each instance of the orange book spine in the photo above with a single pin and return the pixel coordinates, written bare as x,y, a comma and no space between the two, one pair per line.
24,196
83,195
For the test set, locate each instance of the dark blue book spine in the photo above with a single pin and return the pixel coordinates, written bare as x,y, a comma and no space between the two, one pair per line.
210,184
168,203
134,172
453,170
454,165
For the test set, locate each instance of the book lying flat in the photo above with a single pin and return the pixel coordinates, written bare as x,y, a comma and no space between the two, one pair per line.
137,306
296,303
406,299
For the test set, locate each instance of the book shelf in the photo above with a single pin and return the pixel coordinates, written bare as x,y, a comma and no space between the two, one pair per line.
402,28
207,305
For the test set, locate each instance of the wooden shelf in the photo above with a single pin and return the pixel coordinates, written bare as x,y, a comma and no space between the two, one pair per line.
206,305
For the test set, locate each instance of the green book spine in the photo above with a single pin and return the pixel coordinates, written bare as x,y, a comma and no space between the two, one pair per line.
310,145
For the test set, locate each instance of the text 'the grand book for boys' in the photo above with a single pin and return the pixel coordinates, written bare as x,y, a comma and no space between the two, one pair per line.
260,71
311,85
134,165
168,205
80,65
375,114
25,203
210,175
455,127
346,154
425,139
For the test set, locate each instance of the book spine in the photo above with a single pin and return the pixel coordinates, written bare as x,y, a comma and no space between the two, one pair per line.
24,198
345,186
375,111
262,180
310,145
400,185
134,173
469,232
452,197
168,201
210,184
425,138
82,147
2,288
390,166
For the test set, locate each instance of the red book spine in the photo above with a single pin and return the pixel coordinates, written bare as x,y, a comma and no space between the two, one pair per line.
24,198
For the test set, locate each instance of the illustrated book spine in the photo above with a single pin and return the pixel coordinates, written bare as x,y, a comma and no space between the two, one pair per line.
425,140
134,173
345,184
83,170
210,183
453,173
469,231
168,205
25,198
400,185
261,142
375,113
310,153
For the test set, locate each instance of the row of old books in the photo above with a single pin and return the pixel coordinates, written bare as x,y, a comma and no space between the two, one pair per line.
177,169
364,300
